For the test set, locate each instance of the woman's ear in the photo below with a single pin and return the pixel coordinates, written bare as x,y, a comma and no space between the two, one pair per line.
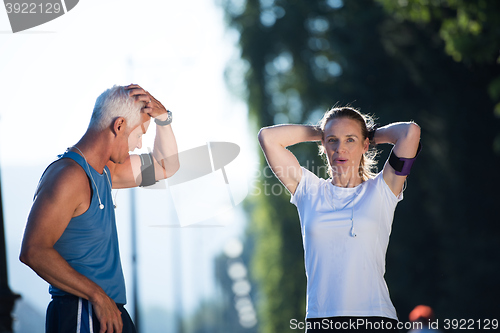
366,145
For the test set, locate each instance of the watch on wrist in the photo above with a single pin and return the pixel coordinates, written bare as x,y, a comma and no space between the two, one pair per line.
165,122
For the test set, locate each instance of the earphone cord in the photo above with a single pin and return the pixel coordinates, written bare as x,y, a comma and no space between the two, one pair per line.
101,206
111,188
353,234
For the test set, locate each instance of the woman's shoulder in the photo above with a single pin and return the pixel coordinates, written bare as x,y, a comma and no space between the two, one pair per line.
310,183
376,180
379,183
311,176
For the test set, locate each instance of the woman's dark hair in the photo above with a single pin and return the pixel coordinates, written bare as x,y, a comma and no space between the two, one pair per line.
367,124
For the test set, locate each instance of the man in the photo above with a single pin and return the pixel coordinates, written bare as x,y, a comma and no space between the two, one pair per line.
70,238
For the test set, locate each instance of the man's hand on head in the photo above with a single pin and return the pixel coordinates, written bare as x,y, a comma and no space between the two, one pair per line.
152,106
140,95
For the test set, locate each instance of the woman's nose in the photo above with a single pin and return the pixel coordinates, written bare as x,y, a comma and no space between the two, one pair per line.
339,148
139,143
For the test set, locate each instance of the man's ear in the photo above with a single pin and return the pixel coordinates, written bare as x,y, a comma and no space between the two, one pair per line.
119,125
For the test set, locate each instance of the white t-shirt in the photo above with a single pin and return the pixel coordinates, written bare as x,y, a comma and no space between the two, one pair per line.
345,274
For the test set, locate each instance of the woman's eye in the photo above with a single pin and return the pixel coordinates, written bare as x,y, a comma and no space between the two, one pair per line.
350,140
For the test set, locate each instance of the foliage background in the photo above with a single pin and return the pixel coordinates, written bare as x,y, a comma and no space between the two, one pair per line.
432,61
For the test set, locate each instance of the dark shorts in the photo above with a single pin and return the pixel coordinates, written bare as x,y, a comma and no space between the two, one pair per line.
351,324
68,314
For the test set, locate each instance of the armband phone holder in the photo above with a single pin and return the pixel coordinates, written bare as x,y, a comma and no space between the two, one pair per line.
403,165
147,170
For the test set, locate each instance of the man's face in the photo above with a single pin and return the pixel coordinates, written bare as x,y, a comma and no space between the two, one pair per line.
135,137
129,138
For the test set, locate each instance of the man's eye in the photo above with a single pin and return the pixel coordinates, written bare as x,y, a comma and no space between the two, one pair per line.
350,140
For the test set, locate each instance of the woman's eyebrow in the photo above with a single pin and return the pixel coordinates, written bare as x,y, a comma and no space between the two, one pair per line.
348,135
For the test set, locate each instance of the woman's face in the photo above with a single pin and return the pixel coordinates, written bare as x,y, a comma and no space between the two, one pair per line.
344,145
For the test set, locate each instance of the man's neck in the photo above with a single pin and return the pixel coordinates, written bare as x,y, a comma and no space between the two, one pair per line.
95,149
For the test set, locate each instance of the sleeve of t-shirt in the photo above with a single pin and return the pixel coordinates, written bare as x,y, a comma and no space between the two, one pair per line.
307,180
386,191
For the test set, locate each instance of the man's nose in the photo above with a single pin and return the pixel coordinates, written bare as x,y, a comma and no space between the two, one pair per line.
139,143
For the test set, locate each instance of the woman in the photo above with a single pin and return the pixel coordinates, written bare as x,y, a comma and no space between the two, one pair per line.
345,220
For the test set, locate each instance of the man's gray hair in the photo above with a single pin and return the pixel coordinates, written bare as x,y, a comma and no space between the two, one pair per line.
113,103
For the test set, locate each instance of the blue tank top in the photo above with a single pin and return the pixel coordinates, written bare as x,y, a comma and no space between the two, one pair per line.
90,241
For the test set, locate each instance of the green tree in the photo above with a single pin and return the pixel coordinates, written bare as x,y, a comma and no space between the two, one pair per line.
470,30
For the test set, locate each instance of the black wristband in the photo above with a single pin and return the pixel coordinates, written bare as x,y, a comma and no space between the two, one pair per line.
371,133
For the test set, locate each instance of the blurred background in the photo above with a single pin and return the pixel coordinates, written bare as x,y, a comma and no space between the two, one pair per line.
228,67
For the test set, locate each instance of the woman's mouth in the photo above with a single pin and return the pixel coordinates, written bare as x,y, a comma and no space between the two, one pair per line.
340,160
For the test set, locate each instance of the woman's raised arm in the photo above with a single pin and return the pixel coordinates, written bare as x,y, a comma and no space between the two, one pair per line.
405,137
274,140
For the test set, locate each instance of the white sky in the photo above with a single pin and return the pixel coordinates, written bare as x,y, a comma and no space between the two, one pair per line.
50,77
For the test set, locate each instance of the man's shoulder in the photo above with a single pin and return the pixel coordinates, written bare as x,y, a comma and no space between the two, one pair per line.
65,167
64,174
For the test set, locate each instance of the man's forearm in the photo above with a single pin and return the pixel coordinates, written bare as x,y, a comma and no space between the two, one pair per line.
165,150
51,267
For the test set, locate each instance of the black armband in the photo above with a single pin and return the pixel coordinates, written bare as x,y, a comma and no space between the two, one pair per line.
147,170
403,165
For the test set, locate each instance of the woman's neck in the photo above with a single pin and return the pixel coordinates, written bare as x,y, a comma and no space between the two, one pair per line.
346,180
